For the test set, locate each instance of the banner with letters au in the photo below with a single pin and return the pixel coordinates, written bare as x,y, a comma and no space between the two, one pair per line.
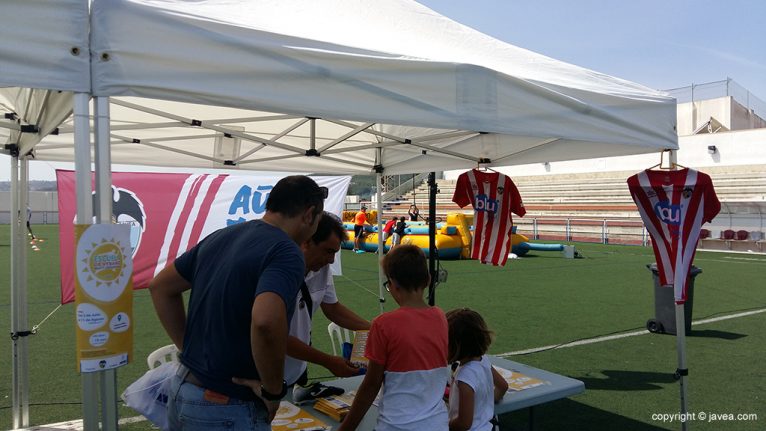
169,213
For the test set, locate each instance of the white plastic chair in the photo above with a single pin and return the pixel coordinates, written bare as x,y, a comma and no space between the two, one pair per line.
164,354
338,335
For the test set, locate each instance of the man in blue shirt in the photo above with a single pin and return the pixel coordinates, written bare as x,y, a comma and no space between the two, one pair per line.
244,280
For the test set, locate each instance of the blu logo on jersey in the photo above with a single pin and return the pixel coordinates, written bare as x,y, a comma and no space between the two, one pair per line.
486,204
668,213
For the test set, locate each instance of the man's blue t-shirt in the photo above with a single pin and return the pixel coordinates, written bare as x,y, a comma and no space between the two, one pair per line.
227,270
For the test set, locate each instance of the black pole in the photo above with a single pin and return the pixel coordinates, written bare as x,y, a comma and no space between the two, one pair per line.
432,190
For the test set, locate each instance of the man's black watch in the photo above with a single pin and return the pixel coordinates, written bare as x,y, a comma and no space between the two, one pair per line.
274,397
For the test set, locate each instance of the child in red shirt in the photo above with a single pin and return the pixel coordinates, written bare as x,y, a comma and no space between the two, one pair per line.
407,350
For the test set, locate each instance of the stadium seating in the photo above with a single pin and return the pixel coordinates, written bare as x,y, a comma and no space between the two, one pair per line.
704,233
573,207
728,234
741,235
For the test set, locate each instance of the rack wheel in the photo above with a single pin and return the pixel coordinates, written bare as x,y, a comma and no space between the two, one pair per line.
654,326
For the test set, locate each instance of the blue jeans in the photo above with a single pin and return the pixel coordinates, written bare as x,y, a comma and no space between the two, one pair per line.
188,410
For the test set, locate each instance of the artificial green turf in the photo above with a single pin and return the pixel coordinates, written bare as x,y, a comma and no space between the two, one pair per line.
538,300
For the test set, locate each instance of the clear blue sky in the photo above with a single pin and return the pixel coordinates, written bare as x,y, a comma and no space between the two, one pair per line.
662,44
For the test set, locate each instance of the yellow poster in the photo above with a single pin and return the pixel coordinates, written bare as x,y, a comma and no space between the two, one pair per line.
291,418
103,296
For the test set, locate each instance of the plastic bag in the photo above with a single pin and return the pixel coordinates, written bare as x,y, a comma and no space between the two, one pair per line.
149,394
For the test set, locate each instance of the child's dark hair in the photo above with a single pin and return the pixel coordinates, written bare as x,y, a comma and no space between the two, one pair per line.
401,218
468,334
406,265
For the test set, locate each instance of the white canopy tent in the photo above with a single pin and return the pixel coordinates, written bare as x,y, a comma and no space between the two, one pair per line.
390,75
337,86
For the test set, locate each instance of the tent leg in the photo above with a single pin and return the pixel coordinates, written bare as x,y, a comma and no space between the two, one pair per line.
682,370
381,246
16,342
432,237
84,216
103,212
22,306
19,305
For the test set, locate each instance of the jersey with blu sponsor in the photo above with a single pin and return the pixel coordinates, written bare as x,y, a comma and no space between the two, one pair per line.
494,197
673,206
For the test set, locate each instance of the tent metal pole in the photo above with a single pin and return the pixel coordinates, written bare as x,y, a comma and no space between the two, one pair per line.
103,213
22,305
682,370
432,237
313,134
381,246
85,216
681,339
15,252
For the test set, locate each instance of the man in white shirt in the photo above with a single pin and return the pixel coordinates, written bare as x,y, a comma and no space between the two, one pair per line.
318,291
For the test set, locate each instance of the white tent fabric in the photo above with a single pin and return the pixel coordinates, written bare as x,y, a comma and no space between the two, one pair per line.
396,76
45,109
429,92
45,44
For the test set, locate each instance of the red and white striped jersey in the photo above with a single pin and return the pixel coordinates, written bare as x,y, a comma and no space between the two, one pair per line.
493,196
673,205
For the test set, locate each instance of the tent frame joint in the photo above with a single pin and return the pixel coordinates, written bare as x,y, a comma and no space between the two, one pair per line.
29,128
196,123
484,160
13,149
229,163
18,334
312,152
378,169
11,116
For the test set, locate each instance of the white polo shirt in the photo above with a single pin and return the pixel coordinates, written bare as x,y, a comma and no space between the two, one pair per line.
322,290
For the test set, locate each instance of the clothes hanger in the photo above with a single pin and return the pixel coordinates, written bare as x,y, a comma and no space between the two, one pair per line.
484,168
672,166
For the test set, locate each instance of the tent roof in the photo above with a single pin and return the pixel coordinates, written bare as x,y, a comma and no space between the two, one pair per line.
389,84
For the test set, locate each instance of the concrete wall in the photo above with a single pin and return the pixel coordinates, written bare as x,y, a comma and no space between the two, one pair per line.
44,207
726,110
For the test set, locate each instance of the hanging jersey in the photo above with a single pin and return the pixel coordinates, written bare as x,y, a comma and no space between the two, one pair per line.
673,206
493,197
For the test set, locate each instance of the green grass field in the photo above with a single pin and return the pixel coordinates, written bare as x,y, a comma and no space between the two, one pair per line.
535,301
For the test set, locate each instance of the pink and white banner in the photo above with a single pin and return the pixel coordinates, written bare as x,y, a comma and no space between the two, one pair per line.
170,213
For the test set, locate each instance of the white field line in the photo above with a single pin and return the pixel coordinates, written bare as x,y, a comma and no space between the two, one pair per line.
624,335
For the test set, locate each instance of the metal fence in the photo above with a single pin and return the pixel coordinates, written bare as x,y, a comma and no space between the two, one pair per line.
38,217
715,89
603,231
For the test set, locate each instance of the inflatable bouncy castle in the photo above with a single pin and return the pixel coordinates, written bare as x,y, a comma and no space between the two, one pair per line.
453,238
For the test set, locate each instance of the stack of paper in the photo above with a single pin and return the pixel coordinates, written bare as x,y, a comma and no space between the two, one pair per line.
517,381
336,407
357,352
291,418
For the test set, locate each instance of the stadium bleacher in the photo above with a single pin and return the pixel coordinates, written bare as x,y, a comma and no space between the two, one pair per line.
597,207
